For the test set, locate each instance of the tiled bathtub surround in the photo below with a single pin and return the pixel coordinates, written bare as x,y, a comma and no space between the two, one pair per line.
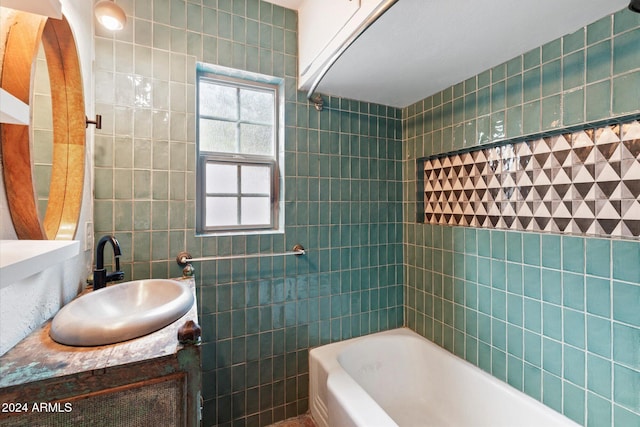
553,315
343,191
587,182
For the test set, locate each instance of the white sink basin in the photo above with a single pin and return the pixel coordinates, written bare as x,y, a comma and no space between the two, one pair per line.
121,312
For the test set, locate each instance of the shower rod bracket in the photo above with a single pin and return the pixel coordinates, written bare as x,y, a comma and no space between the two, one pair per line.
317,101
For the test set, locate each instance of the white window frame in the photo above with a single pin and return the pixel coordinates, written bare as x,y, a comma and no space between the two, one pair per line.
242,79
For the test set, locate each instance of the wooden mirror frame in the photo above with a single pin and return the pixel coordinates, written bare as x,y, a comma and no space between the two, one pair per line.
26,33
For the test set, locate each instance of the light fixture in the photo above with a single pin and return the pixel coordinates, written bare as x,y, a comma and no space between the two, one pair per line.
110,15
635,6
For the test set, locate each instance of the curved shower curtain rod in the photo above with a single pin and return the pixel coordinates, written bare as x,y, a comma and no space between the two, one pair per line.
316,99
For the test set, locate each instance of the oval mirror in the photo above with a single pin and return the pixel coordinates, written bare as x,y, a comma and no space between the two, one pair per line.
26,33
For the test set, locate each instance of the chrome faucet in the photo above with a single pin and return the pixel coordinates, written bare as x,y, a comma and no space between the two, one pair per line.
100,275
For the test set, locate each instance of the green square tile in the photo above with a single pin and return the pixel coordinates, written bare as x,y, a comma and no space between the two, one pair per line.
626,345
573,41
624,417
598,411
499,304
447,95
551,322
531,84
598,296
514,278
533,381
625,261
515,341
531,59
498,96
499,364
574,329
514,66
483,101
497,126
626,387
574,365
551,112
514,122
599,336
531,248
484,79
484,242
515,310
599,375
484,356
598,257
483,130
573,70
470,85
498,244
551,357
498,73
573,254
573,290
574,403
533,348
551,286
626,298
470,106
552,50
599,30
623,21
532,315
573,107
624,47
599,61
598,104
514,373
514,246
458,90
470,134
626,93
551,251
552,391
551,78
531,282
531,118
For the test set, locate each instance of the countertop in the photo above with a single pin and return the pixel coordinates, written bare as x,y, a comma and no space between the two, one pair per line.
38,357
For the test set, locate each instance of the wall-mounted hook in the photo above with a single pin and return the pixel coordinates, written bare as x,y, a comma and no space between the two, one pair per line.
97,121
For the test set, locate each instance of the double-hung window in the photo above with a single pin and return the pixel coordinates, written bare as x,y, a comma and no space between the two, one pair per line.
238,151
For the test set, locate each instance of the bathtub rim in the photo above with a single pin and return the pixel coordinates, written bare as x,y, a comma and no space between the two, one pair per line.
327,358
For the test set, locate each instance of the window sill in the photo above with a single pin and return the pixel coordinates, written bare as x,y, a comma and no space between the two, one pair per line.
239,233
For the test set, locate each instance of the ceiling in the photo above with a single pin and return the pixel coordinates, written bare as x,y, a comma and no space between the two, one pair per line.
420,47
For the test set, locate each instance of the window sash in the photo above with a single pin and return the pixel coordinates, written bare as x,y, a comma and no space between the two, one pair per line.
207,155
240,195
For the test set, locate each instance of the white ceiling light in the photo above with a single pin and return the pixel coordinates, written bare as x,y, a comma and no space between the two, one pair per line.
110,15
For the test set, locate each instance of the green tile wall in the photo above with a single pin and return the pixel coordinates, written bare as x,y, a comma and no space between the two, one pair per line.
343,201
554,316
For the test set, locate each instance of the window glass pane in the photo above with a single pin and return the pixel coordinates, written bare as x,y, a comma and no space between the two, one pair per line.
256,106
222,179
218,136
256,179
222,211
256,139
256,211
219,101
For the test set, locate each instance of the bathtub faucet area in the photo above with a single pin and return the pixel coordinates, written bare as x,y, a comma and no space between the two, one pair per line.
100,275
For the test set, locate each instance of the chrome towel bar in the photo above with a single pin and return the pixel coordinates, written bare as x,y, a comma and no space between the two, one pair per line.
185,258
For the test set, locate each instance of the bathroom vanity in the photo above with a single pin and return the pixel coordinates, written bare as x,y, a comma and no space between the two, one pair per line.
151,380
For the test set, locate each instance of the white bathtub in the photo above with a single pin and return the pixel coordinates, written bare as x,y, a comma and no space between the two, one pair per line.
398,378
